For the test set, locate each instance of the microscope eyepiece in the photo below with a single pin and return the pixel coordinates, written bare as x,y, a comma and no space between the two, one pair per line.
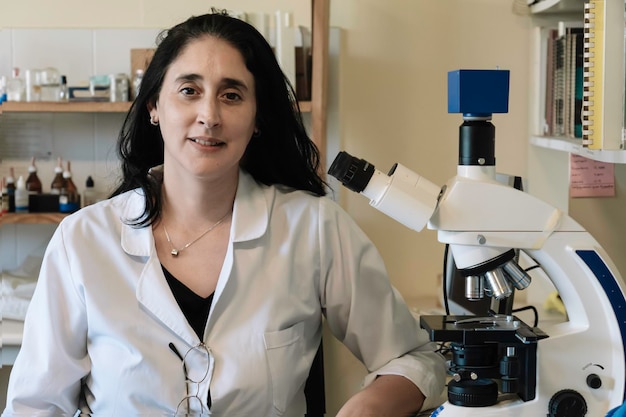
352,172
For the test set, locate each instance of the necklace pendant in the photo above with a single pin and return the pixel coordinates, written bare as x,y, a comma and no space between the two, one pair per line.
174,252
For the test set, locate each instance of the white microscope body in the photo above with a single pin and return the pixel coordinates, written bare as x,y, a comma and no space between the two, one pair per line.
583,358
500,365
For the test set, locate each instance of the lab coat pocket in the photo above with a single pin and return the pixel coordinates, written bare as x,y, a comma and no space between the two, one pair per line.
285,352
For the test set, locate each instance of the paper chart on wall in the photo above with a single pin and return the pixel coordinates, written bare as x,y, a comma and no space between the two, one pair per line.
590,178
23,136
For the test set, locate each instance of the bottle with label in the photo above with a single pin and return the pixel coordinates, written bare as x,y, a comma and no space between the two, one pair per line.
21,196
33,183
10,183
57,182
69,199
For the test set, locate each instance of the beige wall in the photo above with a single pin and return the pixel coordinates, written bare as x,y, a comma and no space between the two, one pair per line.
393,104
391,95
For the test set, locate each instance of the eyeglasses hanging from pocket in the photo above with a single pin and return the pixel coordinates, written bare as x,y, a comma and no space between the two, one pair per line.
191,404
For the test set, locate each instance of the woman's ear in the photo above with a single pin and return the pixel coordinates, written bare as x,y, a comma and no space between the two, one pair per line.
151,106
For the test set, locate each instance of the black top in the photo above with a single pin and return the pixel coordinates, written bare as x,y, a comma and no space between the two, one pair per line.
195,308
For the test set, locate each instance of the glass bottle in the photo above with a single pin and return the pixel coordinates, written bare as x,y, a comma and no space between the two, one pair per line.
137,78
57,182
33,183
69,199
15,86
64,94
10,183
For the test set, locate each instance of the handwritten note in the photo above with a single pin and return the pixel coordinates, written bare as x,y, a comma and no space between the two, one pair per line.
589,178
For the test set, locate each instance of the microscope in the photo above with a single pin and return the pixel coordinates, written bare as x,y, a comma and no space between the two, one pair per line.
499,365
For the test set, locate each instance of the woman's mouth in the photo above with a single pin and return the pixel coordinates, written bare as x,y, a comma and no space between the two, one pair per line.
207,142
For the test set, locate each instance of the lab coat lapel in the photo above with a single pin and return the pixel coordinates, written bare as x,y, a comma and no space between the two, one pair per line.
250,221
152,290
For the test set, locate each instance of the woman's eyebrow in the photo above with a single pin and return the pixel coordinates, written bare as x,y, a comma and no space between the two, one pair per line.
234,82
188,77
226,82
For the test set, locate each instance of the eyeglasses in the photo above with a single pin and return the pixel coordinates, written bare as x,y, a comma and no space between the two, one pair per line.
194,376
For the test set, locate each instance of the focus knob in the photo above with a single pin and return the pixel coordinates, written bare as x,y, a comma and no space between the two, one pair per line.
567,403
594,381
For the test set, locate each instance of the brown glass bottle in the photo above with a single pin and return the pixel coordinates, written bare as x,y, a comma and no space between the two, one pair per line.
69,200
58,181
33,183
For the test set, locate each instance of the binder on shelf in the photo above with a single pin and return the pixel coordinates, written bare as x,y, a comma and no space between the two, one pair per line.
548,129
603,78
563,99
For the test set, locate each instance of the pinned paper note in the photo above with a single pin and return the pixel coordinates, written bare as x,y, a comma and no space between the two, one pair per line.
590,178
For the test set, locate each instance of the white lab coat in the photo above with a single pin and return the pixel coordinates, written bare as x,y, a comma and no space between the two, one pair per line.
103,315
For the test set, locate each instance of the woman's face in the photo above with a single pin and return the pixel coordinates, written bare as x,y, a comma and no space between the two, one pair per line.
206,110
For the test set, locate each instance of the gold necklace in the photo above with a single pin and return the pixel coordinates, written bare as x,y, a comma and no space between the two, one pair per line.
174,252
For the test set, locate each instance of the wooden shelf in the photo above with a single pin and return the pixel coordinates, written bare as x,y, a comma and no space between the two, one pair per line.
31,218
558,6
72,107
575,147
84,107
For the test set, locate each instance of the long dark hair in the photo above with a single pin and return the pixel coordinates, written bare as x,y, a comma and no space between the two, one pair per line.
282,153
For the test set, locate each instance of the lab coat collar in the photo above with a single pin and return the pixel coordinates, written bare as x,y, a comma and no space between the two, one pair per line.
250,220
251,211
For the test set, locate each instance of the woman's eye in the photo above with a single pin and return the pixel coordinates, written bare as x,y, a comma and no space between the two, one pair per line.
231,96
188,91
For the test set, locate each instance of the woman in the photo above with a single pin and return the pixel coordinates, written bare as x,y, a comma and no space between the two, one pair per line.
200,286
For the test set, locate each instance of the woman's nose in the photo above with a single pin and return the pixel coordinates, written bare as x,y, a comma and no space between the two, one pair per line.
209,113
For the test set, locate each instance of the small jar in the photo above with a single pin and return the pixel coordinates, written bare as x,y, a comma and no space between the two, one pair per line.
50,84
119,87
